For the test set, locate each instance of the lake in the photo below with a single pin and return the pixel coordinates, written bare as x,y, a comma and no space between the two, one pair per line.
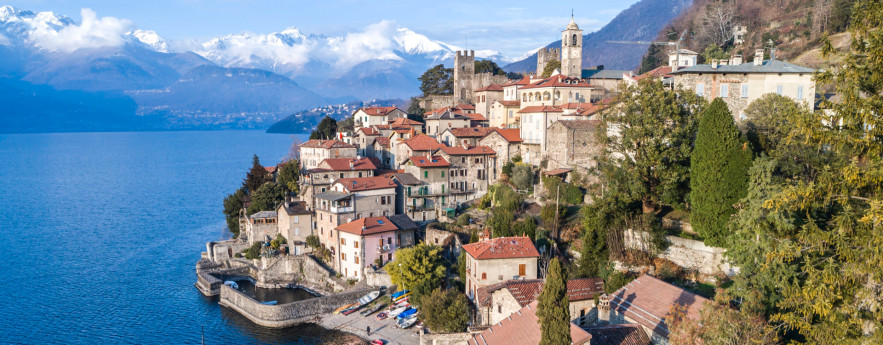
100,233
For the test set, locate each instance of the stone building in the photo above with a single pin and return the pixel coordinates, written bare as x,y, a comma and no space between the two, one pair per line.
261,227
463,136
422,201
364,138
497,302
682,58
546,55
504,114
464,71
420,144
486,96
319,180
470,171
573,144
350,199
314,151
409,203
382,152
506,142
572,50
534,122
522,328
370,116
295,221
646,301
555,90
365,241
606,79
497,260
437,122
739,84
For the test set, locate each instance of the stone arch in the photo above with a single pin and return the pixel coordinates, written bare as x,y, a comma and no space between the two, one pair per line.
537,96
557,95
573,40
547,96
463,92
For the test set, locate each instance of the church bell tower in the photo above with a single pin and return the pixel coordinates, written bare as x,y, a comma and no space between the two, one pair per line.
572,50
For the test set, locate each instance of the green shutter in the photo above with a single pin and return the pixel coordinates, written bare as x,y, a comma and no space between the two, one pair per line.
409,191
426,174
443,173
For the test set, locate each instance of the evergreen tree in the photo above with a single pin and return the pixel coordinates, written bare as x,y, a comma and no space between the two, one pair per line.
288,176
266,198
445,310
419,269
327,129
232,206
551,66
415,110
256,177
553,309
488,66
437,80
652,60
719,171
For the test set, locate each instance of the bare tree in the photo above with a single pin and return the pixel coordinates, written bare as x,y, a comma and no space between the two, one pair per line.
294,150
717,22
820,14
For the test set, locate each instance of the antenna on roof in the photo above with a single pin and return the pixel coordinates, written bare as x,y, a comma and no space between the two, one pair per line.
772,46
571,13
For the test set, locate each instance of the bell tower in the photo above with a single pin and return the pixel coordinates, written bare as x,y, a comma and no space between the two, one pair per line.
572,50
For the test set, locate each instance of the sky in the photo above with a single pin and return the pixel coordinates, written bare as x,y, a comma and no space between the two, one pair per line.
510,27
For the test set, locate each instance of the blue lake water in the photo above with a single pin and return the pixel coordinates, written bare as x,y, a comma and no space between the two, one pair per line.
100,232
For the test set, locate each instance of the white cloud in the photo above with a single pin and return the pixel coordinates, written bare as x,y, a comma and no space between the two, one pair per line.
375,42
92,32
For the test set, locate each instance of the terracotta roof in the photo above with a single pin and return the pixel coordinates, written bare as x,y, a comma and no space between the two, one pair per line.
523,81
271,169
369,131
402,121
341,164
541,109
522,327
297,207
491,87
474,150
368,226
382,141
591,110
471,132
377,111
502,248
512,135
476,117
526,291
407,179
624,334
326,144
429,162
576,106
422,142
556,172
510,103
559,80
355,184
663,71
647,300
579,124
465,106
447,114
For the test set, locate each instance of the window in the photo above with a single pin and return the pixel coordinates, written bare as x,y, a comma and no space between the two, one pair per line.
296,219
510,113
355,244
522,270
389,240
499,308
342,241
725,90
426,174
483,276
573,40
442,173
356,258
800,92
342,256
700,89
341,175
779,89
744,90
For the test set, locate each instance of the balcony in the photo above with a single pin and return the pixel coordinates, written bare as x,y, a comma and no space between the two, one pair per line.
340,209
385,249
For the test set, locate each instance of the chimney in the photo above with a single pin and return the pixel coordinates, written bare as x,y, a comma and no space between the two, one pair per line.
604,309
758,57
714,63
724,62
736,60
465,145
352,164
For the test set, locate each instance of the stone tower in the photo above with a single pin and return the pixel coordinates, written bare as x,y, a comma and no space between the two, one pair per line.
464,72
544,55
572,51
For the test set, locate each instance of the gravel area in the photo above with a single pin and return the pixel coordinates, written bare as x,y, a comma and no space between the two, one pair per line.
380,329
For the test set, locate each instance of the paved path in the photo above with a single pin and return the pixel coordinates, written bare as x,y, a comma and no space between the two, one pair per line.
380,329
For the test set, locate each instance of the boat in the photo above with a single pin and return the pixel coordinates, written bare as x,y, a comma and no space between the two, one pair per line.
377,307
406,314
382,315
232,284
377,342
401,322
403,300
370,297
399,293
351,309
409,322
269,303
398,311
400,297
344,307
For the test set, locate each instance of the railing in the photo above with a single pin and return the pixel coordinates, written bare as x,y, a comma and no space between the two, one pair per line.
340,209
384,249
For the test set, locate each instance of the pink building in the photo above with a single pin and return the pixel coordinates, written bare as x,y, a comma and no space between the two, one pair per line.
366,240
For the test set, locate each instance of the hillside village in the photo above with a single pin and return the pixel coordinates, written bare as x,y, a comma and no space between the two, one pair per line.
496,194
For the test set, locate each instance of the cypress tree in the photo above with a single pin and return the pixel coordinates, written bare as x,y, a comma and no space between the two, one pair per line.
256,177
718,172
553,312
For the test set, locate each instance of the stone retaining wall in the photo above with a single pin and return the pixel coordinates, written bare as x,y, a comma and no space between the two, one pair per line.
285,315
444,338
690,254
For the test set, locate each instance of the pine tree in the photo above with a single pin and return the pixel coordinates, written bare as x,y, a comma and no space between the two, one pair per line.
327,128
719,172
551,66
255,177
553,310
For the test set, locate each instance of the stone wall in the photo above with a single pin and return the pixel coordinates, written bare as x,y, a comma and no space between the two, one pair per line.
444,338
690,254
480,80
432,102
285,315
572,147
377,278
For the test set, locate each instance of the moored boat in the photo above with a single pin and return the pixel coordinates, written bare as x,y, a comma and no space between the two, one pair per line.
369,297
409,322
398,311
373,310
344,307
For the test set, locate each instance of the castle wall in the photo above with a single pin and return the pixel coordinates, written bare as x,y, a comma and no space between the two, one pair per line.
544,55
464,73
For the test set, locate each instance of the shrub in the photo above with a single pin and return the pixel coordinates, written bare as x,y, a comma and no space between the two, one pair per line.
378,262
652,225
569,193
516,159
237,255
507,168
463,219
313,241
445,310
667,270
254,252
522,177
547,214
278,241
616,279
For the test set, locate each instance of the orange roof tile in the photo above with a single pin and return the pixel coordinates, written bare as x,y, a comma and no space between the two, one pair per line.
355,184
526,291
491,87
423,142
271,169
559,80
623,334
662,71
403,121
368,226
463,151
465,106
541,109
377,111
647,300
369,131
512,135
429,162
326,144
342,164
522,81
477,117
523,327
470,132
502,248
382,141
510,103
